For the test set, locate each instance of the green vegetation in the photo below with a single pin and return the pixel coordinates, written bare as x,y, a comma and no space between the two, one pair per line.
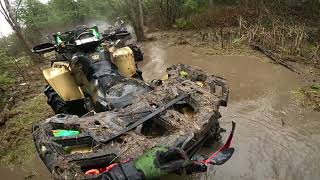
10,75
288,28
6,78
315,87
182,24
308,96
5,62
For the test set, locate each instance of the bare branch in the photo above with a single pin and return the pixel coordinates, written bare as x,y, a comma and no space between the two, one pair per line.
17,8
10,16
5,14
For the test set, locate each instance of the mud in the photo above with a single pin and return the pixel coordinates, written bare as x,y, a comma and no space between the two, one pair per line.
275,138
39,172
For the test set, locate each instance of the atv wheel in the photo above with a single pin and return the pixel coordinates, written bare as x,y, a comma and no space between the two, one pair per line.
59,106
137,53
214,135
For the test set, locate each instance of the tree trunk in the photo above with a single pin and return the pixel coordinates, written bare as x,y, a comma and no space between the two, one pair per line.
210,4
140,23
27,45
137,19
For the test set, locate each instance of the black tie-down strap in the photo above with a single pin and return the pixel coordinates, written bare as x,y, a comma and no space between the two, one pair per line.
146,118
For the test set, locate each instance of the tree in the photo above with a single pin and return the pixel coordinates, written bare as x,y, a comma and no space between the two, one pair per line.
136,16
10,14
131,10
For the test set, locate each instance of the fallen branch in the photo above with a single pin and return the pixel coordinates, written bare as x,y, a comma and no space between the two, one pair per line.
272,56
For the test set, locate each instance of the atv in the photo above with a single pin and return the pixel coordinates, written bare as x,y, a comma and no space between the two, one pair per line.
97,73
180,112
88,63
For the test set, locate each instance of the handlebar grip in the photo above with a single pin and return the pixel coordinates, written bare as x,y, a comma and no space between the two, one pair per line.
117,35
122,35
44,50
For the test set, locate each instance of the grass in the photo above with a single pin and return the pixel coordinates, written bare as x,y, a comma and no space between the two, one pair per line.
316,88
17,148
308,96
3,98
6,79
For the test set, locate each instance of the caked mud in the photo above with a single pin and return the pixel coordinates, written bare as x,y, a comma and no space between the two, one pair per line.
275,137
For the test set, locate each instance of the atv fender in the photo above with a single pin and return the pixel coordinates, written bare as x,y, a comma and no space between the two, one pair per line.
62,81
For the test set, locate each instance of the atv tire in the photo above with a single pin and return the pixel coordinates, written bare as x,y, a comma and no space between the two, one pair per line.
59,106
214,134
137,53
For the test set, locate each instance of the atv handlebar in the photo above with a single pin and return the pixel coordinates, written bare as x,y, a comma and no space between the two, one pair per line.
43,48
116,35
48,47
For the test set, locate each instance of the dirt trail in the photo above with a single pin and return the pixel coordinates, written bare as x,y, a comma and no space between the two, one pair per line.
275,138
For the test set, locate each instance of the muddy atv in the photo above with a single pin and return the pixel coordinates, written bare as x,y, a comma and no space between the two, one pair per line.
180,112
87,64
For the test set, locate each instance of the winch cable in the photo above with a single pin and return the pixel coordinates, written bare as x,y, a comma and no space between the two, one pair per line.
146,118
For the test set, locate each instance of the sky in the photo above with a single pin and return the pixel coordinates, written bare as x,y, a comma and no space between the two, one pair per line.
5,28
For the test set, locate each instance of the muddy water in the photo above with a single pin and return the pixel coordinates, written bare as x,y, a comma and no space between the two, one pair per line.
274,139
38,172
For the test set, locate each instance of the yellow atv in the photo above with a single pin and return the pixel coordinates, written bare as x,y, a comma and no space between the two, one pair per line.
92,72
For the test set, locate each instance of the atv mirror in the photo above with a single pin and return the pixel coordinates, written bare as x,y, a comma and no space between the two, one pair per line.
43,48
222,157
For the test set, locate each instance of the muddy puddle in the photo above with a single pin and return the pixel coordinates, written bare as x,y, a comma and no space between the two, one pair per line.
275,138
38,172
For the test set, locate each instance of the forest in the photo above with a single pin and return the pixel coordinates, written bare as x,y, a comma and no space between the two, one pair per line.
287,27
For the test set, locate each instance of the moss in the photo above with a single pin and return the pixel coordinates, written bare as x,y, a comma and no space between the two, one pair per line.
182,24
315,87
17,148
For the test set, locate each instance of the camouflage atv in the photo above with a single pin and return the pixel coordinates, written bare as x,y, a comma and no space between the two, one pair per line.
180,112
87,64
